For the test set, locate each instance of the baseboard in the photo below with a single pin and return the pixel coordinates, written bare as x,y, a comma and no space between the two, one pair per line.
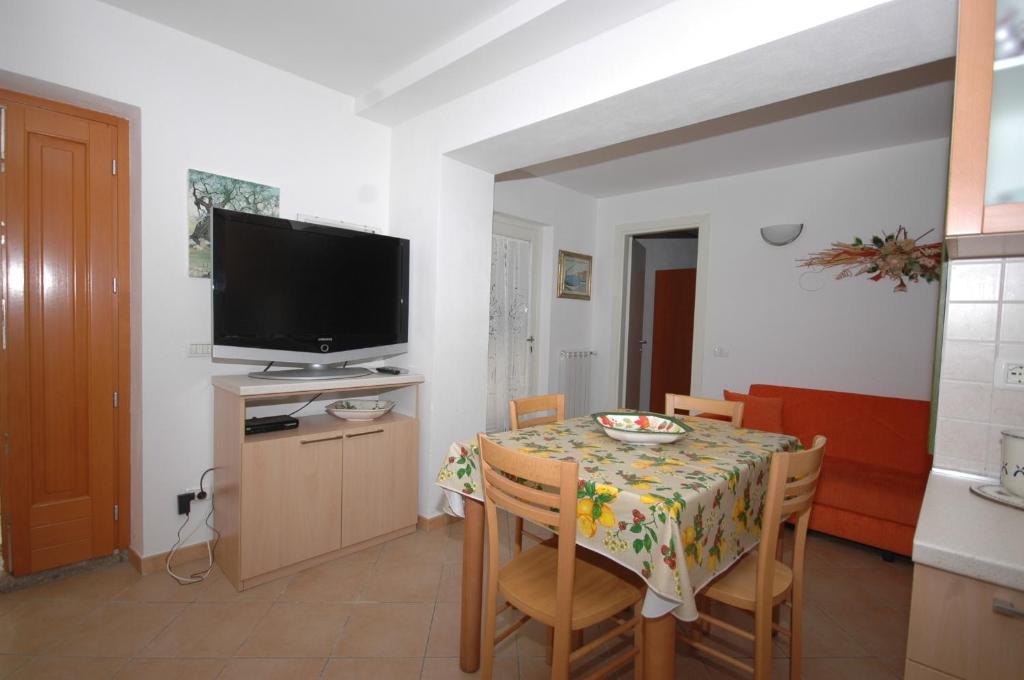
154,563
436,522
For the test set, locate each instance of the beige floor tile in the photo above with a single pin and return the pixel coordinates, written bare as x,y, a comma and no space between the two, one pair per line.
822,637
215,629
341,580
10,663
445,629
717,670
307,629
403,581
160,587
393,630
377,669
880,631
847,669
115,629
422,546
836,552
273,669
450,589
171,669
39,622
448,669
217,588
49,668
99,584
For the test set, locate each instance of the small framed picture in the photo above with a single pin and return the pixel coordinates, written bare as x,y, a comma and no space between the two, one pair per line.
574,272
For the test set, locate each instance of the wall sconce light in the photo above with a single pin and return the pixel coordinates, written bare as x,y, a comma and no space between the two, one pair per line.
781,234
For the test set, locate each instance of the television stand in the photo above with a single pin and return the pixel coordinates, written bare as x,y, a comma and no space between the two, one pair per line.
313,372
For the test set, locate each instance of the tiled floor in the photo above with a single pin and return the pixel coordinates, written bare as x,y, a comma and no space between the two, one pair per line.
389,612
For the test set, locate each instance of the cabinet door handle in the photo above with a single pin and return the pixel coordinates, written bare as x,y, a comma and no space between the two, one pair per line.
363,434
1007,608
325,439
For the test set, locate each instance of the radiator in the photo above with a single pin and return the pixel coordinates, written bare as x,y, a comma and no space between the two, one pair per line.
574,380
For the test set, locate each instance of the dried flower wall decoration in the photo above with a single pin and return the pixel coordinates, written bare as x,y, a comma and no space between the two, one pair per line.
889,256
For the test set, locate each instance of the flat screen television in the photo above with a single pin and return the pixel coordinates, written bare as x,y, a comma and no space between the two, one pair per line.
298,293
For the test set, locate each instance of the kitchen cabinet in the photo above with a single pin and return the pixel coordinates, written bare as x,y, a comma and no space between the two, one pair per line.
964,628
986,168
288,500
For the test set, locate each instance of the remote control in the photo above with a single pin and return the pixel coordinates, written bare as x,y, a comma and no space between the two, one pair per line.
390,370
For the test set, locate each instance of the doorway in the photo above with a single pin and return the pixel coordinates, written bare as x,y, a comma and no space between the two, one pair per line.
64,351
512,357
659,311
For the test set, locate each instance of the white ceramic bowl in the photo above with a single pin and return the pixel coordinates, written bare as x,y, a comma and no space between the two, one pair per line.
641,427
1012,473
360,409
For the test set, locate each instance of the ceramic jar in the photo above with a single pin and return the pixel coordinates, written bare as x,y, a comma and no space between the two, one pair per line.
1012,473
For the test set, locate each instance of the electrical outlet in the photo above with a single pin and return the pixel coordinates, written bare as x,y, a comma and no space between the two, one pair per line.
1009,373
185,502
200,349
1013,374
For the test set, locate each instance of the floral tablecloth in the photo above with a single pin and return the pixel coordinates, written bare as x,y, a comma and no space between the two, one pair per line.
677,514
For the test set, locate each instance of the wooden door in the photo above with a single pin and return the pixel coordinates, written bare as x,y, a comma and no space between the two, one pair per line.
635,323
675,292
380,480
61,364
291,505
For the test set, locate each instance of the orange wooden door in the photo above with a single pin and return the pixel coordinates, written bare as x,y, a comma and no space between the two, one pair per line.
61,360
675,291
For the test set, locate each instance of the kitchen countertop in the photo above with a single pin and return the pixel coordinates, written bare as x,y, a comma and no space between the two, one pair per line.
963,533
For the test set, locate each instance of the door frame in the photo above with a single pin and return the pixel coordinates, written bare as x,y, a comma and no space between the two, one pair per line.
515,227
623,245
122,308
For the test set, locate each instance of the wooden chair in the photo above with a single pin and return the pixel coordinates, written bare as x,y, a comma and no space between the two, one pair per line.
530,411
760,581
548,582
695,406
527,412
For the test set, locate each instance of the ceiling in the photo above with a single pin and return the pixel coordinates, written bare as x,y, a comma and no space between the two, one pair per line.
397,58
900,108
346,45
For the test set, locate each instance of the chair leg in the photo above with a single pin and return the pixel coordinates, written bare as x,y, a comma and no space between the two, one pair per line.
550,648
517,537
490,631
796,615
560,655
638,641
763,643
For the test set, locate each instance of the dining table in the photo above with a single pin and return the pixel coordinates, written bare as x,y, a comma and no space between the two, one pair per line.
677,514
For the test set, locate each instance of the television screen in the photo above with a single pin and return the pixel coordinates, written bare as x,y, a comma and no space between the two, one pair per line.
295,292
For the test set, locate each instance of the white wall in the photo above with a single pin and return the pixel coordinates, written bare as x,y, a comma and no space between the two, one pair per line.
207,108
569,219
853,335
662,253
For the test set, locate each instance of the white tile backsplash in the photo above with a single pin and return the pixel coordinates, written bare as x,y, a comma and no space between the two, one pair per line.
1011,325
968,360
974,281
972,321
984,320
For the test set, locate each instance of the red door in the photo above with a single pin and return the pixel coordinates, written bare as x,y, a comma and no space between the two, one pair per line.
675,291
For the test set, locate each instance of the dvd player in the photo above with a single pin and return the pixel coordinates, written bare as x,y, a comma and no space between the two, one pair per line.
270,424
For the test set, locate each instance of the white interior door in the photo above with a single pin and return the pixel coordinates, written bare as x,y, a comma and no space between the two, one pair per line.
635,342
511,355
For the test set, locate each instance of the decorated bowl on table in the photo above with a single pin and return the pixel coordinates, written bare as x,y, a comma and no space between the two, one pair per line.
360,409
641,427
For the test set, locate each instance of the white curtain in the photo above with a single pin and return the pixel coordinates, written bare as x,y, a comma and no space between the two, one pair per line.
508,352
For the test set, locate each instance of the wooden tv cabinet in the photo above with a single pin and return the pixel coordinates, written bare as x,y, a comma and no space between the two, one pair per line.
288,500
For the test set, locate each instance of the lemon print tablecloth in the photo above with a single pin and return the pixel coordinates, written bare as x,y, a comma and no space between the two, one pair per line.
677,514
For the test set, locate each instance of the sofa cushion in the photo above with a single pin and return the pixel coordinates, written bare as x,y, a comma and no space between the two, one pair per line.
871,490
759,413
881,431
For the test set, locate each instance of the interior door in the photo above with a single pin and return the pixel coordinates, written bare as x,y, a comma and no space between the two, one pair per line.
60,336
635,325
675,293
512,332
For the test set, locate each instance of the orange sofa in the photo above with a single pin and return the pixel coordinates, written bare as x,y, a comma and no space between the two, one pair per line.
876,461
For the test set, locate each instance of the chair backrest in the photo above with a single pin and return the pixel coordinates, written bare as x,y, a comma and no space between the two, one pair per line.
530,411
510,481
696,406
792,483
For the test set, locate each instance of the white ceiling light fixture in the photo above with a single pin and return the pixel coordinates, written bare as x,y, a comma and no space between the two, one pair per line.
781,234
